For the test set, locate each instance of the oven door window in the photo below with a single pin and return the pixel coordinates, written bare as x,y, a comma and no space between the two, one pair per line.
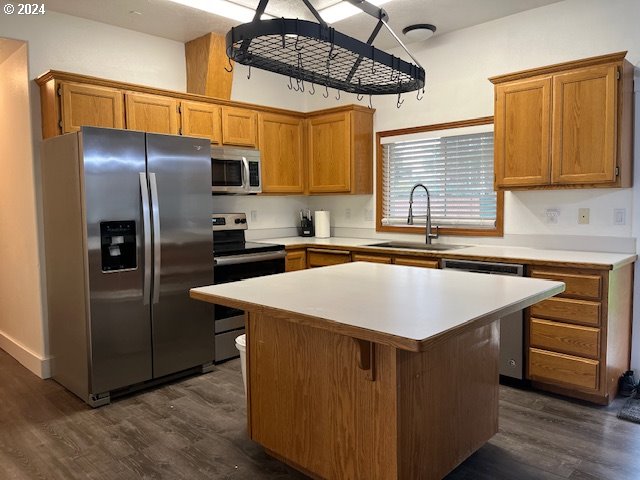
242,271
226,173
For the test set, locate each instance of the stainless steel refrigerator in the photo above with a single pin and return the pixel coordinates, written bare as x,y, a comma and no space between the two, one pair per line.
127,227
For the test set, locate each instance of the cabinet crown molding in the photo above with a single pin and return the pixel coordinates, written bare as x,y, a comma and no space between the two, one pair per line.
558,67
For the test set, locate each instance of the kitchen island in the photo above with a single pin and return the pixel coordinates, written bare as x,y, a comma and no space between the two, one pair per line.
373,371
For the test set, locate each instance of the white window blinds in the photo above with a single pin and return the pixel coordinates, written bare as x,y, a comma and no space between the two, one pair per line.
457,170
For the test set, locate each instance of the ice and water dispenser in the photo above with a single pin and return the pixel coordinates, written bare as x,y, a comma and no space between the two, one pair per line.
118,245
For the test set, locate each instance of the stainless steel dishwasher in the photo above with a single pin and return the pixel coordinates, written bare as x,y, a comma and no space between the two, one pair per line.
511,326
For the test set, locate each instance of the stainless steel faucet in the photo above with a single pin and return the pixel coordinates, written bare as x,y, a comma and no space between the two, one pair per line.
428,234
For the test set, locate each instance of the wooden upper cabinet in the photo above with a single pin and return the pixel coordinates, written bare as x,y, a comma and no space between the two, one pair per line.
152,113
565,125
521,139
330,153
584,125
239,127
90,106
282,153
198,119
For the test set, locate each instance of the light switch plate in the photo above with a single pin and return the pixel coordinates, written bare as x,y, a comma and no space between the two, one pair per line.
619,216
552,215
583,216
254,215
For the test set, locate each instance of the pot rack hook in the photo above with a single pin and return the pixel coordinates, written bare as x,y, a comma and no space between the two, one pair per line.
249,74
418,95
312,90
359,96
326,94
290,86
370,105
338,95
230,69
399,102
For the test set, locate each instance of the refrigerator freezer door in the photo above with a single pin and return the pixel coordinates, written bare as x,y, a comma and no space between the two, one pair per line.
183,332
120,327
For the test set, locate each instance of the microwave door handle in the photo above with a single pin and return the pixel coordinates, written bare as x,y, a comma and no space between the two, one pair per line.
246,180
146,235
155,215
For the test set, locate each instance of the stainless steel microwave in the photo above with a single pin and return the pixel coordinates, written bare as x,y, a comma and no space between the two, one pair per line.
235,170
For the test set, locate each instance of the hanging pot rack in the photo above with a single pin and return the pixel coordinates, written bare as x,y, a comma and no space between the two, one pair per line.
313,52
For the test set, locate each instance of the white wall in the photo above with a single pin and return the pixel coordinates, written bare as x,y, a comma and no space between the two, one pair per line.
458,65
21,331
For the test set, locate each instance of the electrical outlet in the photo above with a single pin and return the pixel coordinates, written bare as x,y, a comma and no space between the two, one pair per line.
552,215
583,216
254,215
619,216
347,213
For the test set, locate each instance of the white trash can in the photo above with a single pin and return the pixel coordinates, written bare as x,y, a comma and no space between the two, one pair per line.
241,345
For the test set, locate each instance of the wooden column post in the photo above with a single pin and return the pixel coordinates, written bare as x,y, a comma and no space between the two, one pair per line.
206,62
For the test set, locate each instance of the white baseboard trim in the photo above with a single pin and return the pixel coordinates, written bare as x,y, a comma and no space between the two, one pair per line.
31,360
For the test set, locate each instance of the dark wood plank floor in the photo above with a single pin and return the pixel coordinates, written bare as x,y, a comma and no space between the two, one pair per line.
195,429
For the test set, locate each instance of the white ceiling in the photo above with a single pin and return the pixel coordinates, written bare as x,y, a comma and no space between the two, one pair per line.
177,22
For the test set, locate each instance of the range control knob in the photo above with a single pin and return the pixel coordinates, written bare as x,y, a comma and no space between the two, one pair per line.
244,220
237,220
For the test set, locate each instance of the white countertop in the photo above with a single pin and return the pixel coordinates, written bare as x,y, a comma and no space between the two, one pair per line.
411,303
613,260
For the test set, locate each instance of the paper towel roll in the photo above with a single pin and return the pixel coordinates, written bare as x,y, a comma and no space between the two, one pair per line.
322,224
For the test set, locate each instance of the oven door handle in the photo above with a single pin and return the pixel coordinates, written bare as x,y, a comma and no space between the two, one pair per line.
248,258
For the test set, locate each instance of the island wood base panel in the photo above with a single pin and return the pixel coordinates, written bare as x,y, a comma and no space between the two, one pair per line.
334,407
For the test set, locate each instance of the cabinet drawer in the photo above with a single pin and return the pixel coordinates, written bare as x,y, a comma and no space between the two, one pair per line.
577,285
295,260
563,369
562,337
317,257
359,257
416,262
581,312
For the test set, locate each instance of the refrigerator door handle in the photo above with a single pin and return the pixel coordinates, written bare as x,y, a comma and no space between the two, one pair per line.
155,215
146,233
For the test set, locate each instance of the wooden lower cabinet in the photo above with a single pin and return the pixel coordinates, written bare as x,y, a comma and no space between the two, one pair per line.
417,262
579,347
322,257
296,260
362,257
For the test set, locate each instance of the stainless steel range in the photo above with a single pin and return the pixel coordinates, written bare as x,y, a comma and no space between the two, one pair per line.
236,259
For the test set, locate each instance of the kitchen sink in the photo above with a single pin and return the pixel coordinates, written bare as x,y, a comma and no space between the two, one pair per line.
417,246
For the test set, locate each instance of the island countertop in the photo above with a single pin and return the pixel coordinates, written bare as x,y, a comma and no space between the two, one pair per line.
405,307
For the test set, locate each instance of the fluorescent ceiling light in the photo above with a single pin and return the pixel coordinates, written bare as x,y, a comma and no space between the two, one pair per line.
343,10
223,8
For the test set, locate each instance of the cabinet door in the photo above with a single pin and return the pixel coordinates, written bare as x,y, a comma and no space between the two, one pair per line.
320,257
330,153
91,106
295,260
281,153
201,120
522,126
584,126
152,113
239,127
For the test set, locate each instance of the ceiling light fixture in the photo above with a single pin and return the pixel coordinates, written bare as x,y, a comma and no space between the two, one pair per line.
318,54
222,8
419,32
343,10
